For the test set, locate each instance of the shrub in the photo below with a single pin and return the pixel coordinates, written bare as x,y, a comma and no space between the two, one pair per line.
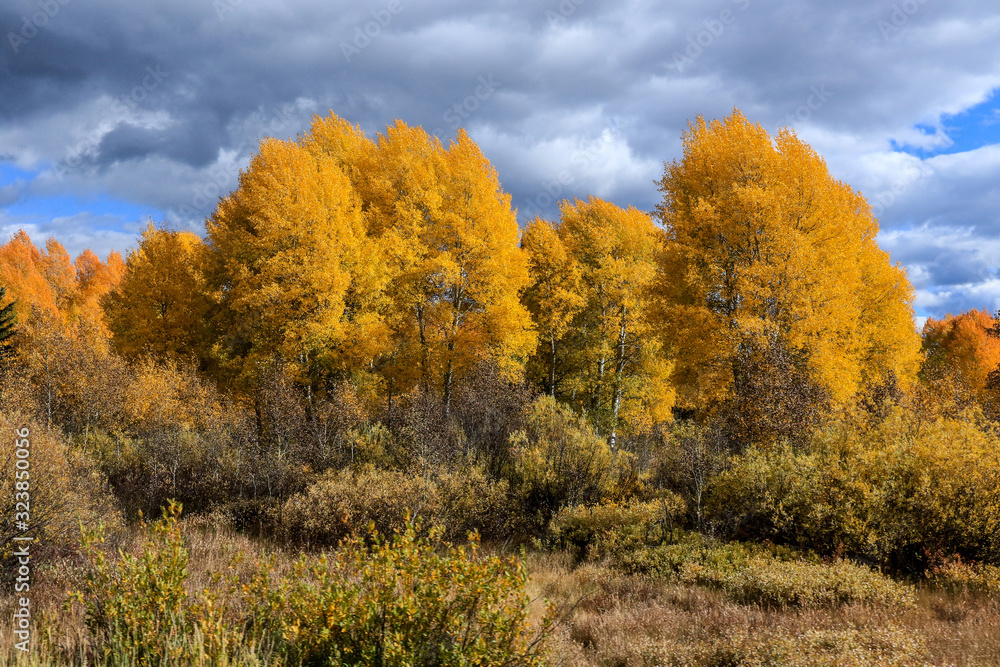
890,493
695,549
471,501
345,502
410,600
610,526
688,457
959,577
138,609
559,460
769,583
489,408
59,485
767,575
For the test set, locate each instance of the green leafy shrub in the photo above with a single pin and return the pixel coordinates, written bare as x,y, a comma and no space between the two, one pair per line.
610,526
471,501
346,502
559,460
139,610
766,575
411,600
669,560
890,493
769,583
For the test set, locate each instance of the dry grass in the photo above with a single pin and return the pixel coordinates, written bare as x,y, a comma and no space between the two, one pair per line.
611,618
631,620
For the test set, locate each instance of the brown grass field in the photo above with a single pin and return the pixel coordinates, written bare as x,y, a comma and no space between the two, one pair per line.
607,617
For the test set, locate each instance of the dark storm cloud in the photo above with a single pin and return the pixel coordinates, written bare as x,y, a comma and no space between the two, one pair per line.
566,97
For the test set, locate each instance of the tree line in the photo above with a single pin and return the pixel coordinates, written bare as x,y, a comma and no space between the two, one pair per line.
368,304
396,264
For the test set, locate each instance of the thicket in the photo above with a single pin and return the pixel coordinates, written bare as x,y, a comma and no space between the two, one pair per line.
898,493
407,598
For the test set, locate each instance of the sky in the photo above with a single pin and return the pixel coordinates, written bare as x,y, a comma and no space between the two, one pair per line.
118,112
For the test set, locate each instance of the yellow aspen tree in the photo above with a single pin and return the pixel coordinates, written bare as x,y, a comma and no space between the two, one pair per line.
22,272
460,269
280,250
400,179
766,250
366,346
625,377
962,351
454,270
553,298
160,305
48,282
60,274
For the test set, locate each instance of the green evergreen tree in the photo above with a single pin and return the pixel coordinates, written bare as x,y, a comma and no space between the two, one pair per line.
8,322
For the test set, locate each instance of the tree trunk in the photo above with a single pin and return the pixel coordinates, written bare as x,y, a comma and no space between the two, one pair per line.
552,366
619,375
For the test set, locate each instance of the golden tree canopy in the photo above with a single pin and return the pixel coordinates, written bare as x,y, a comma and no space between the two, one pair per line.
763,244
160,307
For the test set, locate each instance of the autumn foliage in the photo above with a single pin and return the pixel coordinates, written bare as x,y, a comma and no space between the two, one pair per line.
365,335
963,357
764,249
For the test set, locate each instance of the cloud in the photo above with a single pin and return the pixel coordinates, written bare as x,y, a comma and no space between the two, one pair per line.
160,104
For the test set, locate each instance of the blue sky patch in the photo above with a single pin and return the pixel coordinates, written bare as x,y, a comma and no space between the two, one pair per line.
973,128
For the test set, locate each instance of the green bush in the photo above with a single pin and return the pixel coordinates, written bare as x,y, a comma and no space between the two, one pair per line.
139,610
345,502
669,560
890,494
590,530
766,575
771,583
559,460
471,501
410,600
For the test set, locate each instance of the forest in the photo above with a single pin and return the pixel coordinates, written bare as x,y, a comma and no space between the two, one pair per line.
368,419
